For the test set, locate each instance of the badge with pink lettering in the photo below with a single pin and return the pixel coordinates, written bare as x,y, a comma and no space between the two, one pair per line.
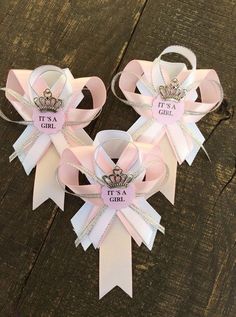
167,111
118,198
48,122
118,192
48,115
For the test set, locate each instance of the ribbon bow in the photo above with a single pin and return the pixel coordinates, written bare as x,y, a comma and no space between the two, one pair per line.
116,206
169,105
47,100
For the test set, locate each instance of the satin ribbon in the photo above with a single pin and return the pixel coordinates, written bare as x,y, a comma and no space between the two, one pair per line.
110,229
181,140
41,150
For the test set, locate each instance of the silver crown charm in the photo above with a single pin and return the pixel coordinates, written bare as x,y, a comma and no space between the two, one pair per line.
48,102
117,179
172,91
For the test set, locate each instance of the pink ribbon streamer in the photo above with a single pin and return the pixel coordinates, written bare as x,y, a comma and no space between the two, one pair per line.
35,148
111,228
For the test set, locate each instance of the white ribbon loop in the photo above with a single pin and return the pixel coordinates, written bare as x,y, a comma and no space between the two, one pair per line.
158,71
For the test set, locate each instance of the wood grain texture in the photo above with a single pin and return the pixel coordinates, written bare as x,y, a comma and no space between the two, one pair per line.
191,270
68,34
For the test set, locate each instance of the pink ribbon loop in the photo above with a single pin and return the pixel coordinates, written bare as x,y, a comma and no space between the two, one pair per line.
115,167
47,99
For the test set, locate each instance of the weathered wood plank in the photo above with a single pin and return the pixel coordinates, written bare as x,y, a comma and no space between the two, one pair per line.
190,271
64,33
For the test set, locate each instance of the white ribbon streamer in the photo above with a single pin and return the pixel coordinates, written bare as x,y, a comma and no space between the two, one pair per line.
115,260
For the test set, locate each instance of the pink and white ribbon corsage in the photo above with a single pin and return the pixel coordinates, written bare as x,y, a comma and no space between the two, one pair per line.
122,176
170,100
47,99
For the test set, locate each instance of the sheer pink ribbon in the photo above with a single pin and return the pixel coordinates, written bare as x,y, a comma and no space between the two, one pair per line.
106,228
181,140
35,148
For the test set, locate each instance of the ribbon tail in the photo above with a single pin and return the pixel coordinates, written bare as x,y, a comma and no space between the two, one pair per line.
79,221
178,142
19,148
197,139
168,188
35,153
45,183
115,260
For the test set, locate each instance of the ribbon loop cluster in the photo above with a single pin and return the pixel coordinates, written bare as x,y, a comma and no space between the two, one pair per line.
108,206
47,99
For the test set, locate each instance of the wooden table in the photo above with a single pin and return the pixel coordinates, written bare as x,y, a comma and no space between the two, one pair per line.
191,270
